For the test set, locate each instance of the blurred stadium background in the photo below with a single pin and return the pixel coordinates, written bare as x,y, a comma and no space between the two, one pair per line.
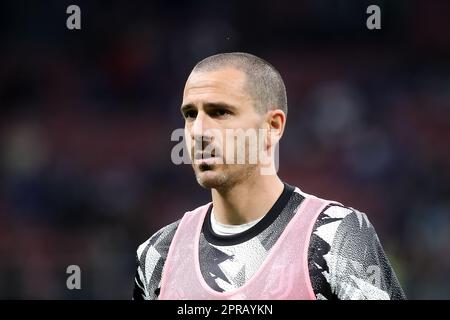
86,118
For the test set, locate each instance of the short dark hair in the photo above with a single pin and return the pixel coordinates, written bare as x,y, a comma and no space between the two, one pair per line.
264,82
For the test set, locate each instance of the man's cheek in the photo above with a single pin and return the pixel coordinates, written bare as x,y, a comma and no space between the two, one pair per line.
189,145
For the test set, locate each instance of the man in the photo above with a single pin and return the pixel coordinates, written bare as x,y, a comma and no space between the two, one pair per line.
259,238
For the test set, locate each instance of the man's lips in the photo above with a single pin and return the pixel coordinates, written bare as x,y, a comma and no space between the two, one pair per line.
200,155
206,159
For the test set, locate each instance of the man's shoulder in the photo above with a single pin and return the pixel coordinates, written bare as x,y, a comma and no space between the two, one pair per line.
160,240
339,219
334,210
345,218
151,255
346,214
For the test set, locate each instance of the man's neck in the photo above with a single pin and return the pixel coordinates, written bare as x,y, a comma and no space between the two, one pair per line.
247,201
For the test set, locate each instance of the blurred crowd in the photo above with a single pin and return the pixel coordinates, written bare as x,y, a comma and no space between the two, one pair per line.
86,118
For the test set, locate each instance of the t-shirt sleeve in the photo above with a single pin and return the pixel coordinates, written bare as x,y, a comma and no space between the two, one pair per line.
354,264
139,291
150,258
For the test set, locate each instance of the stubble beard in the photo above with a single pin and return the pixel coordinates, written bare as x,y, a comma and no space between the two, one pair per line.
220,177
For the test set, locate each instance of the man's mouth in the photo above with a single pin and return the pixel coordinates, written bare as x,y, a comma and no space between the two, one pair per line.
206,159
201,155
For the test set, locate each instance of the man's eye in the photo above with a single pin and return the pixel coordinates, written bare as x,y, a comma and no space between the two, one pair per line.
190,114
221,112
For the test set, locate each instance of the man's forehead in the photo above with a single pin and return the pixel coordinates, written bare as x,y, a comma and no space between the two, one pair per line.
223,80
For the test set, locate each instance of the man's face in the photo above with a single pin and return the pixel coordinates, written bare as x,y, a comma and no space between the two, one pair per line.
214,103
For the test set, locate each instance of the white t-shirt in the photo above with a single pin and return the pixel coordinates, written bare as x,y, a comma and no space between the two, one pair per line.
228,229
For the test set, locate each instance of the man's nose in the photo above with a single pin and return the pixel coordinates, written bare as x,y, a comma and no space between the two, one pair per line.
198,128
199,132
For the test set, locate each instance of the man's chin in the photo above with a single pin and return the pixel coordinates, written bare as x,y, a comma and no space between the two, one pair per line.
210,179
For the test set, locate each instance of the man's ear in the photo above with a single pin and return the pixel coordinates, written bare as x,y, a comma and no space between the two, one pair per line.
275,123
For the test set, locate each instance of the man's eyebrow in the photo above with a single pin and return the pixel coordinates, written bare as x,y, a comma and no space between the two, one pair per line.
186,107
208,105
214,105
